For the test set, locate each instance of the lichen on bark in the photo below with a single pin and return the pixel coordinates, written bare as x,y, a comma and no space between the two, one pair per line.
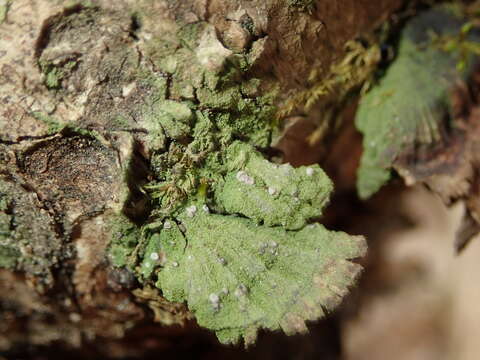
122,116
205,167
405,120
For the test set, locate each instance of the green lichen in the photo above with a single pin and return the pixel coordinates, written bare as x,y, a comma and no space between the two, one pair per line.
171,119
302,5
159,245
214,83
8,257
229,230
8,254
53,78
269,193
238,277
55,72
405,109
125,237
239,274
54,125
27,239
201,131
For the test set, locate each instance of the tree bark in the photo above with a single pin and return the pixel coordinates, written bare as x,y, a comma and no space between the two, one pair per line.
76,136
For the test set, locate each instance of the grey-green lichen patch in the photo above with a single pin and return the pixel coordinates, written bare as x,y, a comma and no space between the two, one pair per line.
28,237
302,5
173,117
125,237
203,134
168,241
8,252
8,257
54,125
56,71
269,193
214,81
405,111
238,277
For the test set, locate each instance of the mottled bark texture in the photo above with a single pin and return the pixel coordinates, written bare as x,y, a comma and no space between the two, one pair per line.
77,88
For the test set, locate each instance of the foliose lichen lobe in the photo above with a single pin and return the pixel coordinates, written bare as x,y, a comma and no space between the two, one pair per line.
272,194
264,277
411,109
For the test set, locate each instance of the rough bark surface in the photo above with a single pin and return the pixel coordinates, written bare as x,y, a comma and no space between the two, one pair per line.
75,138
